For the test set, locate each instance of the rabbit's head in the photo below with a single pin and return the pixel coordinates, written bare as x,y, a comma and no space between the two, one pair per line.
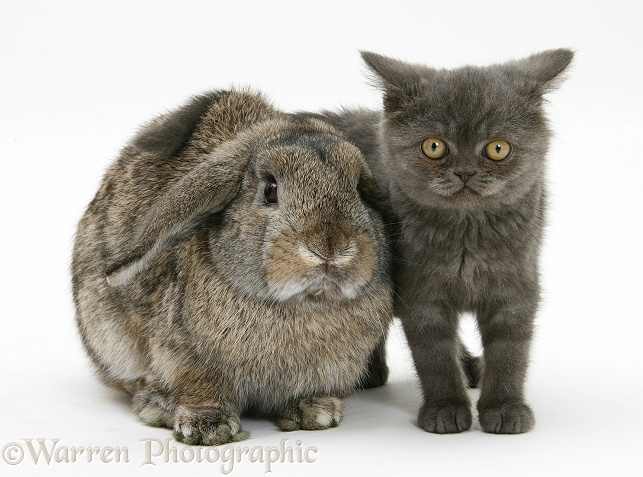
290,208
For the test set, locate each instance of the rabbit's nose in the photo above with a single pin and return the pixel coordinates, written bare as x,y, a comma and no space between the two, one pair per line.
345,254
328,256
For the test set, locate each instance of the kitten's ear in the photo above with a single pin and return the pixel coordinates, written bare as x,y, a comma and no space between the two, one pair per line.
398,80
541,72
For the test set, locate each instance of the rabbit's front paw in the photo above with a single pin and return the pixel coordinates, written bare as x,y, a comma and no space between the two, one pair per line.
154,405
207,425
312,414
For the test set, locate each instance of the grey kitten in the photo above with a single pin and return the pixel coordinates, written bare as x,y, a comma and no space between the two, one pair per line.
461,156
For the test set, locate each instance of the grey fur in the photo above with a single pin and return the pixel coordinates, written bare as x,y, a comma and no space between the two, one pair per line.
458,250
203,301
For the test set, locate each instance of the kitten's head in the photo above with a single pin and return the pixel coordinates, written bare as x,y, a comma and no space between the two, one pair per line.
468,137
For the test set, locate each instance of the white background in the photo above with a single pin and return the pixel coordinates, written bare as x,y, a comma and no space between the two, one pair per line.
77,78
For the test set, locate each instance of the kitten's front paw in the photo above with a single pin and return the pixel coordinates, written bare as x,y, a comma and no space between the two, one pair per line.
508,418
445,419
207,425
312,414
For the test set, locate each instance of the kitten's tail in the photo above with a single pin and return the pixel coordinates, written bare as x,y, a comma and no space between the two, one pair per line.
471,365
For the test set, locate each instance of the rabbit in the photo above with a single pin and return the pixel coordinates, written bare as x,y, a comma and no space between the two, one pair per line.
233,260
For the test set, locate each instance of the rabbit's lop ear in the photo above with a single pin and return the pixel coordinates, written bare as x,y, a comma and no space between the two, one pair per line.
205,190
169,133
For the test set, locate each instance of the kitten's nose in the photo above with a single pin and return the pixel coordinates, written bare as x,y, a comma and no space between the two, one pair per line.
464,175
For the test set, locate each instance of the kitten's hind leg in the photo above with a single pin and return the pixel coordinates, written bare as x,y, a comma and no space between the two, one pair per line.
376,369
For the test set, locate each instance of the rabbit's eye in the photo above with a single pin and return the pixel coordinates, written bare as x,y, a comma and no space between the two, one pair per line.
270,193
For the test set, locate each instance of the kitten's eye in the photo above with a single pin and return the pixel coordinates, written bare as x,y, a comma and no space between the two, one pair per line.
270,192
434,148
497,150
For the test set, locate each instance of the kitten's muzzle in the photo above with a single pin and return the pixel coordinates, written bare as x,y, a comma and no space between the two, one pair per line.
464,176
